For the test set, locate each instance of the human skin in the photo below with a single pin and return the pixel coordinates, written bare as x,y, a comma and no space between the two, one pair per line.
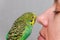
51,24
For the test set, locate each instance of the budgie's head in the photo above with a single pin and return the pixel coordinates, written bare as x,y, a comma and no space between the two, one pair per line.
29,17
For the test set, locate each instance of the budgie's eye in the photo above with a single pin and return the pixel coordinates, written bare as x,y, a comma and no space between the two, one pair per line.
32,17
31,20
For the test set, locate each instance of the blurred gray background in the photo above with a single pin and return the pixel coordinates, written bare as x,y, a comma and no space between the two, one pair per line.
12,9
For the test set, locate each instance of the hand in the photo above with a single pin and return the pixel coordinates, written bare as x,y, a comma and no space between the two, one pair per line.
51,25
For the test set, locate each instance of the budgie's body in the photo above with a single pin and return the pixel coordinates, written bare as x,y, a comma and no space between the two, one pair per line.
22,27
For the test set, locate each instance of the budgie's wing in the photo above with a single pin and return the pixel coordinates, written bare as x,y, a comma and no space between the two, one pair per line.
16,31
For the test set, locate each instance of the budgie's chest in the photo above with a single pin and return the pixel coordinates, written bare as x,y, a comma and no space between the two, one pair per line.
26,33
19,31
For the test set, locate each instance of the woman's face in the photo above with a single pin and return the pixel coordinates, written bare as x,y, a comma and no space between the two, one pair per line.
51,24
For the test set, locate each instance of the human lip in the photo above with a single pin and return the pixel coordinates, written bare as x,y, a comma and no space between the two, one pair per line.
41,37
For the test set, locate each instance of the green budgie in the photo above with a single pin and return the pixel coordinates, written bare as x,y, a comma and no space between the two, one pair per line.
22,27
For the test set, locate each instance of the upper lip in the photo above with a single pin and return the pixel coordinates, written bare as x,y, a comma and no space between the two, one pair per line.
42,36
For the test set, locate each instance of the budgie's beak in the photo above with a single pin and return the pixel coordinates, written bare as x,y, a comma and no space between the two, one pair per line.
34,20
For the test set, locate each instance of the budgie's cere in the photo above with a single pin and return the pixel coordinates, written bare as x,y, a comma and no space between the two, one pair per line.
22,27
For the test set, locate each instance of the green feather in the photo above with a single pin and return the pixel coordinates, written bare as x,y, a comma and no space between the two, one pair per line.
22,27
